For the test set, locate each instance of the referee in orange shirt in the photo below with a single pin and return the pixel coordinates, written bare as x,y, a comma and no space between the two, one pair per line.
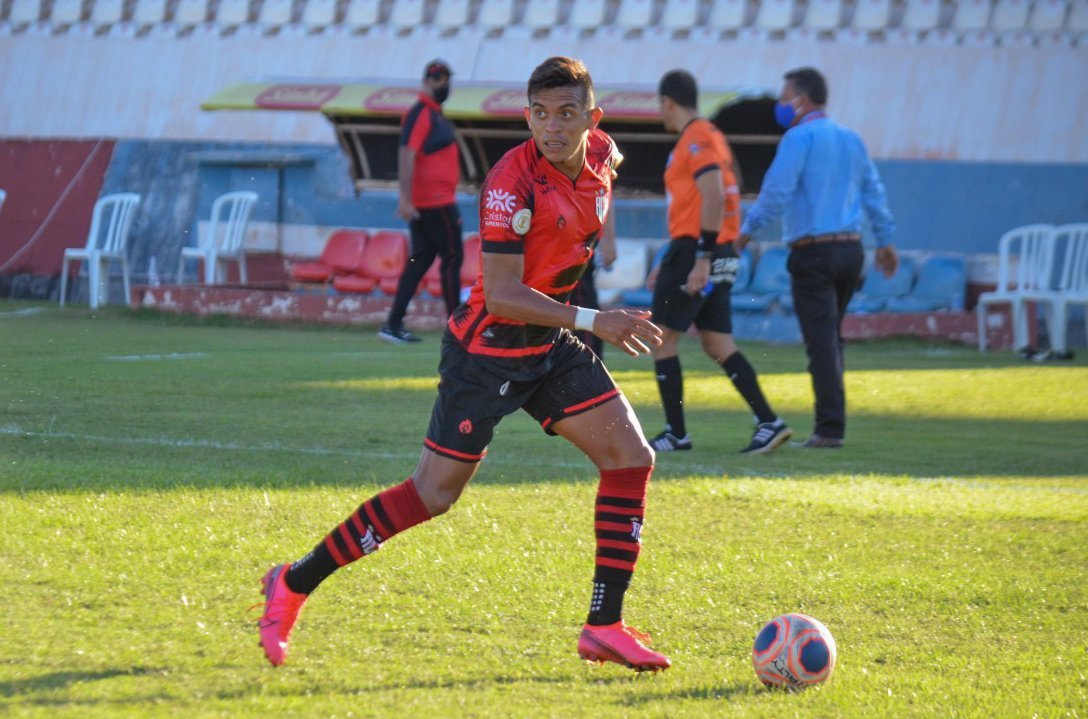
694,280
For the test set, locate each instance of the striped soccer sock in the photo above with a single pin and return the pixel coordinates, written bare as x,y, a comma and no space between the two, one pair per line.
618,519
374,522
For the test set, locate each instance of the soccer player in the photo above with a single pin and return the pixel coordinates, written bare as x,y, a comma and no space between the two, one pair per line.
704,220
510,347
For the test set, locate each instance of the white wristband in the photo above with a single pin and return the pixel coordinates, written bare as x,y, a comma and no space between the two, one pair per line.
583,319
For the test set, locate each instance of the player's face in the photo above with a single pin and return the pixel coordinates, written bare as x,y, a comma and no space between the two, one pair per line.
560,122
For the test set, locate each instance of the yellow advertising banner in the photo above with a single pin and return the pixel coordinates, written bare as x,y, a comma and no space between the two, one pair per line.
467,102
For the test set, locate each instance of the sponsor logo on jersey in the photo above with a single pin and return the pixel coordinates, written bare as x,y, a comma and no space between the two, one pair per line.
602,204
636,530
499,199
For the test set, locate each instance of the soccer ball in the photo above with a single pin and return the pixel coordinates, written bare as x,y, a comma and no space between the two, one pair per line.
793,651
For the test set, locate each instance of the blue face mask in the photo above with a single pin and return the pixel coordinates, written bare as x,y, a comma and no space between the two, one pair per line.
784,114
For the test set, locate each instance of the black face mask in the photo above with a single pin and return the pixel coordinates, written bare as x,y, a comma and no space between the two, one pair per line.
441,93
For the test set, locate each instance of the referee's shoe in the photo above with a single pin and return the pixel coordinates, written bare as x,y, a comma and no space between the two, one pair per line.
768,437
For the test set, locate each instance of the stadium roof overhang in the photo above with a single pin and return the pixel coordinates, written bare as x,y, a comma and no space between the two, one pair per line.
489,121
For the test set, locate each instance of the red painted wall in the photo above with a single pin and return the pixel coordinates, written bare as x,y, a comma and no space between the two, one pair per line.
51,186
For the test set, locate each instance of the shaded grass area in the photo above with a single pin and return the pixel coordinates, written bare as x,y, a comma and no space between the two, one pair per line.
150,470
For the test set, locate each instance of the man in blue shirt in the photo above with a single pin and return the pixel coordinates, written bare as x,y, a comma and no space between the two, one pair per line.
820,183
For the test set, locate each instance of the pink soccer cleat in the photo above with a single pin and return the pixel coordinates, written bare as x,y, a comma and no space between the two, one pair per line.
621,644
281,608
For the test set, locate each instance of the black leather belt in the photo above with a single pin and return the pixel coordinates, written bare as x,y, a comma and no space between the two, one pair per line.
824,239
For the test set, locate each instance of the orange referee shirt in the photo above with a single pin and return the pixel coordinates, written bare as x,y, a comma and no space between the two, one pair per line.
701,148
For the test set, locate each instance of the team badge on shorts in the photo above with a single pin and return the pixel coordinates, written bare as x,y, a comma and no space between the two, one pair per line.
465,427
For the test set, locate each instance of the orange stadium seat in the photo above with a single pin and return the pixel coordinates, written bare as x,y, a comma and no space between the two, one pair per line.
380,266
342,254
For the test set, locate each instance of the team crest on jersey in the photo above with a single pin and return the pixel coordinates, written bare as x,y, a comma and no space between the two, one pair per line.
522,219
602,204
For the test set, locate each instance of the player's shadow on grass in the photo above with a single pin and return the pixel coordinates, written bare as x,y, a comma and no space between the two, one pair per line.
62,680
714,693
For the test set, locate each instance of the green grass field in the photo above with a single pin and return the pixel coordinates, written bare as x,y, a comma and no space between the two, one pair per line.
151,468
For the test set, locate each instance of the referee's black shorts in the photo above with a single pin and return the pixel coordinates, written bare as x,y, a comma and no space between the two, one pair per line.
676,309
472,398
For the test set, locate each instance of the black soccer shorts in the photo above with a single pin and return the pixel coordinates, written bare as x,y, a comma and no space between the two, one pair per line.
676,309
473,398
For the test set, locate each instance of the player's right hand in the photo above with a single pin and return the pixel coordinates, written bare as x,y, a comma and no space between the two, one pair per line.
629,330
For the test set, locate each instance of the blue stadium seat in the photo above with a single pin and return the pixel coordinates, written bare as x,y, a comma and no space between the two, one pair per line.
770,281
942,283
877,289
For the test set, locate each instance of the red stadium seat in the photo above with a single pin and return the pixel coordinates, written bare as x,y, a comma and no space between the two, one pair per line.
381,265
342,254
432,281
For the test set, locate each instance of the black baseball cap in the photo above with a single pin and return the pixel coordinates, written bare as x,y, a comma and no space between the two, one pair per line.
436,69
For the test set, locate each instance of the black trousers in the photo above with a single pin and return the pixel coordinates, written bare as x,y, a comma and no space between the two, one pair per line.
823,279
437,231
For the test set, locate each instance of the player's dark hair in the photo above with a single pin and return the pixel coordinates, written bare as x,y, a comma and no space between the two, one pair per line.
809,81
679,86
561,72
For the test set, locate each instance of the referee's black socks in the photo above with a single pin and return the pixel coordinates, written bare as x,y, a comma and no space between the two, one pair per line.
744,378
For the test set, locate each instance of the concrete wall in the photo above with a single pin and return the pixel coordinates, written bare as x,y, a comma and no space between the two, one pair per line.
908,102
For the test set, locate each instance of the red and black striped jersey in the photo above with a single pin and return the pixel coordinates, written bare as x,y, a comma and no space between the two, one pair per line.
529,207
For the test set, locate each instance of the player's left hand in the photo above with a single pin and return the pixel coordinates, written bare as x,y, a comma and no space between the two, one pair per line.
629,330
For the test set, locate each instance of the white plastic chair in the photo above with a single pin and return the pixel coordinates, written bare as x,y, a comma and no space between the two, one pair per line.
225,239
1009,15
1025,266
1072,288
106,241
1047,15
190,14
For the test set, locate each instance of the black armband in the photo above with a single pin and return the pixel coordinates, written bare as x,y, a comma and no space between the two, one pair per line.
708,240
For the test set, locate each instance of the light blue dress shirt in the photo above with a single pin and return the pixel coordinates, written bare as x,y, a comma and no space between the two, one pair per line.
820,181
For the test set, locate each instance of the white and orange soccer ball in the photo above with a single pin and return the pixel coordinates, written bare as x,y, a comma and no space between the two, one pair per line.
793,651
